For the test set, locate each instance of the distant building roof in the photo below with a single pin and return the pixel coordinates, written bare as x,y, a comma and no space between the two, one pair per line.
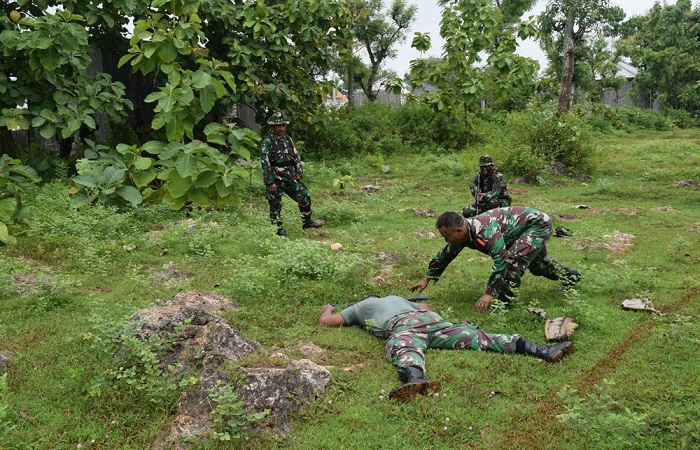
626,70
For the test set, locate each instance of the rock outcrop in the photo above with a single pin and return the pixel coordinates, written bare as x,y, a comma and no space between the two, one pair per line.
205,342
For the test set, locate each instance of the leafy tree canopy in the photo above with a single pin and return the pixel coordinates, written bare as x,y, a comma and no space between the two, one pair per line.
665,46
478,33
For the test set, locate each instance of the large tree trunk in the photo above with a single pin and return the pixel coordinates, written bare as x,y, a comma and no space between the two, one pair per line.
567,73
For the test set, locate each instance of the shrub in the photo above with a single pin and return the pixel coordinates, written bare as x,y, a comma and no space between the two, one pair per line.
547,138
376,128
634,118
308,259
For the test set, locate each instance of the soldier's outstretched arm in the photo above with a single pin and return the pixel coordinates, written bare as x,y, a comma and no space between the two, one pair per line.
422,284
328,319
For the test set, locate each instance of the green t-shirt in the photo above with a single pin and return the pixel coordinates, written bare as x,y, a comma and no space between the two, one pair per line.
374,313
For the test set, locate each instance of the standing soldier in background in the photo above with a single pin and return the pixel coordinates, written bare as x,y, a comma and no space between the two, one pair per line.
488,188
282,173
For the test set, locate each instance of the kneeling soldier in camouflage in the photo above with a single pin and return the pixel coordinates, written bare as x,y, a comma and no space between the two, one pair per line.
410,328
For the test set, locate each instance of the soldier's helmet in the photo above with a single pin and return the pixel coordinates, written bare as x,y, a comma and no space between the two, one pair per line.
485,160
277,119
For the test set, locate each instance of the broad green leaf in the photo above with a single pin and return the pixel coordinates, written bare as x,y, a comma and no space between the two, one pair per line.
200,79
176,203
51,59
178,186
199,197
113,175
9,38
172,149
130,194
207,99
7,209
206,179
167,52
85,180
149,49
5,237
47,131
142,179
153,147
186,165
143,163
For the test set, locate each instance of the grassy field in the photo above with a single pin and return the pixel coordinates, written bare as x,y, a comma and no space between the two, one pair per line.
631,381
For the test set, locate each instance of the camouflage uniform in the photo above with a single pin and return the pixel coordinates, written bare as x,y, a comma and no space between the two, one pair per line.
282,167
410,334
516,238
492,185
409,331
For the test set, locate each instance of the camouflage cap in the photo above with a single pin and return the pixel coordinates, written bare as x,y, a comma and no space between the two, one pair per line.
485,160
277,119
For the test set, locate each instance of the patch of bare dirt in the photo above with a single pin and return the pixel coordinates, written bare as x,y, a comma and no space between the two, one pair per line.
618,242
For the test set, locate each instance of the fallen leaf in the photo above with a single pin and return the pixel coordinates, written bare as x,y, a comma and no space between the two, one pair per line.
539,311
559,328
639,304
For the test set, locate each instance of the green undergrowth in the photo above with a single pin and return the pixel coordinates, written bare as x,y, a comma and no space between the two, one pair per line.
631,382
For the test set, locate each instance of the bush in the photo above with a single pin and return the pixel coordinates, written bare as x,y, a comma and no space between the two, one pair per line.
633,118
376,128
542,137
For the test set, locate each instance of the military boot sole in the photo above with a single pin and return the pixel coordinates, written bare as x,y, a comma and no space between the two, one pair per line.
562,353
409,390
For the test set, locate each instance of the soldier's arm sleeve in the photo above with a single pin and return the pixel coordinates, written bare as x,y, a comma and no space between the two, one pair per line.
499,255
298,165
265,165
499,188
440,262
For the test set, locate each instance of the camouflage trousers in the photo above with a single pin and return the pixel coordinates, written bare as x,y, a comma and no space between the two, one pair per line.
410,334
297,191
481,207
529,252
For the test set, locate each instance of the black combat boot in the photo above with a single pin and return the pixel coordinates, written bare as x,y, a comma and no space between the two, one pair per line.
282,232
413,383
569,279
308,223
553,353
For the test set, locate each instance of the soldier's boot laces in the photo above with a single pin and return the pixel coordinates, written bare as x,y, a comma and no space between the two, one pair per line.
553,353
282,232
413,383
569,279
311,224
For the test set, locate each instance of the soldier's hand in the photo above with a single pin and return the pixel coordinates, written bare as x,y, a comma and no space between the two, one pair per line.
422,284
272,188
328,308
483,303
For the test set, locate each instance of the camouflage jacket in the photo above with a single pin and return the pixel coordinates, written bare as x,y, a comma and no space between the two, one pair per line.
493,186
279,159
492,233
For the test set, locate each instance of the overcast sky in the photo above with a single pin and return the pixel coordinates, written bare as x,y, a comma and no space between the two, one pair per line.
429,15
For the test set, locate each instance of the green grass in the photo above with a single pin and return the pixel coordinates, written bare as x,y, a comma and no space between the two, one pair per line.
91,268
